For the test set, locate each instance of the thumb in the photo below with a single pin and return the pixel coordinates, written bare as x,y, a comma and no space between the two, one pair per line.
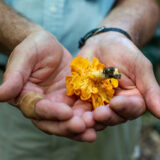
148,86
15,76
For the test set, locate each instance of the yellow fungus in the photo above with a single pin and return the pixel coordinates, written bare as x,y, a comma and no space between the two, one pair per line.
84,82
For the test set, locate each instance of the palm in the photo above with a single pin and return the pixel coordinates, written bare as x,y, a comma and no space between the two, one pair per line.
127,84
48,75
126,65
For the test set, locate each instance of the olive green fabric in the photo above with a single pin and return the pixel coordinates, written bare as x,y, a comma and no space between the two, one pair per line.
21,140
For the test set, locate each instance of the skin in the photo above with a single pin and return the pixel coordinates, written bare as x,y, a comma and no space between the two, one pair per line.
42,68
129,102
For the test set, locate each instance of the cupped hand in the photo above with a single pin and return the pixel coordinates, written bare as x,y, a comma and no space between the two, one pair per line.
138,88
39,65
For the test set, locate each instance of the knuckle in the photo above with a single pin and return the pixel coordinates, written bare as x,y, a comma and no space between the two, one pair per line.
76,125
62,115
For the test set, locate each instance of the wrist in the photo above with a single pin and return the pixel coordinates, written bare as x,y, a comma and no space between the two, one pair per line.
99,38
34,28
10,42
99,30
30,28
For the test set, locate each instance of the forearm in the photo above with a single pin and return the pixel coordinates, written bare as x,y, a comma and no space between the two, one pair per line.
138,17
13,28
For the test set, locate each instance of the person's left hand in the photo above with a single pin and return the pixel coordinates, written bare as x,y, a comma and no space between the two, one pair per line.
137,85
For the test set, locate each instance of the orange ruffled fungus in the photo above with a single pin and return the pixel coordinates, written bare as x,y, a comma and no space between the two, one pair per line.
84,83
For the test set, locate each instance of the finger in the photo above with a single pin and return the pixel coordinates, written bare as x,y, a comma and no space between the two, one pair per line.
76,125
128,107
148,86
11,86
16,74
27,104
88,119
89,135
45,109
106,116
83,109
66,128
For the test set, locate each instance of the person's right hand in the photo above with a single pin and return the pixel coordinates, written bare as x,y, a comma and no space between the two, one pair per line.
138,89
38,67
